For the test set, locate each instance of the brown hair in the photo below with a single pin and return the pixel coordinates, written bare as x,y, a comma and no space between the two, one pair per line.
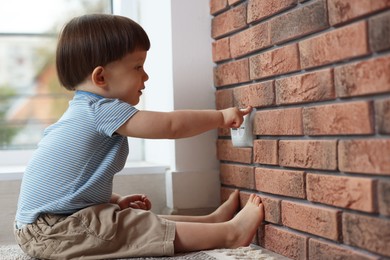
95,40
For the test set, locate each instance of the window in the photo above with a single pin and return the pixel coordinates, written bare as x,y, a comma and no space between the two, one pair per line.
31,97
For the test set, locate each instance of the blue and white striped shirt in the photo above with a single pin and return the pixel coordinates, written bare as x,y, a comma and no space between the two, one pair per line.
76,159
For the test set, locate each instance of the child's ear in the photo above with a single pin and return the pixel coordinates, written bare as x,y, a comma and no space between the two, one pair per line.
98,77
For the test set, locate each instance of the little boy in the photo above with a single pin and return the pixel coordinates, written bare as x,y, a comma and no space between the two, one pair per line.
66,207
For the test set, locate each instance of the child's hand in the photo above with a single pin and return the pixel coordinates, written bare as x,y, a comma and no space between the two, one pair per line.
135,201
233,117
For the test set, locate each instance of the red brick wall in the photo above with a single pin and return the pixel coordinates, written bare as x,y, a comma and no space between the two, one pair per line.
318,73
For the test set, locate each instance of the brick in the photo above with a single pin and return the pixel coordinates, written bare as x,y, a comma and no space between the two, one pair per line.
260,9
384,197
224,132
238,175
265,152
255,95
221,49
339,119
304,88
319,154
376,232
285,242
379,32
274,62
224,98
379,4
365,156
281,182
299,22
363,77
315,220
345,192
346,10
328,250
226,152
272,209
231,73
218,6
271,206
249,40
382,116
229,21
341,44
278,122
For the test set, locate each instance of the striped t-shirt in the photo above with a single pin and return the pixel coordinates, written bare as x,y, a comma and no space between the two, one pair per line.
77,158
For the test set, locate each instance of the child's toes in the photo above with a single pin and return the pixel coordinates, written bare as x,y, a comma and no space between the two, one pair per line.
257,200
251,198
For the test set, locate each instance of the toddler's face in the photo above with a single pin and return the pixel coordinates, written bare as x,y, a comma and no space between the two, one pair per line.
126,77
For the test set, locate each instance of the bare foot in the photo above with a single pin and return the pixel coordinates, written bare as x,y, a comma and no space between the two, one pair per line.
227,210
246,222
223,213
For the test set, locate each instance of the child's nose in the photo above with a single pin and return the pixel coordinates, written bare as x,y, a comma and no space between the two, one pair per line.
146,77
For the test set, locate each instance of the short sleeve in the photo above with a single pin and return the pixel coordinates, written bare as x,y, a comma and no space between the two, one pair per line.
110,114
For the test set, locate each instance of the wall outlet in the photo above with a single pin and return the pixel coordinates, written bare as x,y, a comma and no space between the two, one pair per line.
243,136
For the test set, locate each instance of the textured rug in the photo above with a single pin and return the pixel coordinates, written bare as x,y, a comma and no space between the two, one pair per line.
13,252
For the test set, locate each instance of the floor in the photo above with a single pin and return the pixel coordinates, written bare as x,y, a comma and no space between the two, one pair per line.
9,191
250,252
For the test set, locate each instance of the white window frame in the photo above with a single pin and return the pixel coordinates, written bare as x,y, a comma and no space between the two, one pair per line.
14,160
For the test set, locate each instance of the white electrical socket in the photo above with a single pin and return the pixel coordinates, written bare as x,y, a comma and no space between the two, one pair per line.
243,136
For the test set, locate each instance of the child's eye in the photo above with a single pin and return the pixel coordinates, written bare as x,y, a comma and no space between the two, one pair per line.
139,67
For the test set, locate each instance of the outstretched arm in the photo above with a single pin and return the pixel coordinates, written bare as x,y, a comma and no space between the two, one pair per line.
181,123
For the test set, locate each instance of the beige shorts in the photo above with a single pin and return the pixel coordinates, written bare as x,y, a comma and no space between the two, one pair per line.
98,232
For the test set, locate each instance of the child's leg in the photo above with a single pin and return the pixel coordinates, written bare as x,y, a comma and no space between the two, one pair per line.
234,233
224,213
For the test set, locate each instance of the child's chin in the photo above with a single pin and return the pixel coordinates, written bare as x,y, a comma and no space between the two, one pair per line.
134,103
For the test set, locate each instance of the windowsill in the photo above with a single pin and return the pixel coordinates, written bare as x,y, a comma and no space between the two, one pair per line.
15,172
142,167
